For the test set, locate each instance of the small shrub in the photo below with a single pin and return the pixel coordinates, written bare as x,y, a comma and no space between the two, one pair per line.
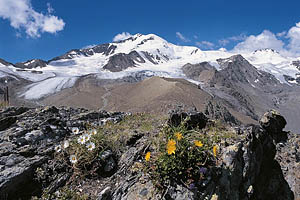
183,156
3,104
62,194
82,152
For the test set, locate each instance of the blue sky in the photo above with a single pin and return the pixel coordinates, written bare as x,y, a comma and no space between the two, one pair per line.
48,28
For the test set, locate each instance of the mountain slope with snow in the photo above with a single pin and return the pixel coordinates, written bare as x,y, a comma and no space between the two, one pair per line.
138,53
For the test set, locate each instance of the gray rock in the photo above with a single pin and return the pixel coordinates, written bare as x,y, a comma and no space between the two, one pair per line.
106,154
121,61
288,156
190,119
18,180
274,124
28,144
251,164
106,49
7,122
219,112
105,194
32,64
194,71
34,136
110,165
180,193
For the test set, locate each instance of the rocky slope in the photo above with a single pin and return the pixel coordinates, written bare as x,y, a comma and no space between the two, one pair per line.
247,89
255,162
152,95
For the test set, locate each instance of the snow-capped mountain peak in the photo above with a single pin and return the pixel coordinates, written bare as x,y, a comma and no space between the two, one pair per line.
266,56
138,53
266,50
154,46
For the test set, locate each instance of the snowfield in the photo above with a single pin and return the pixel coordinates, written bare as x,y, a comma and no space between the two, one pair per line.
48,86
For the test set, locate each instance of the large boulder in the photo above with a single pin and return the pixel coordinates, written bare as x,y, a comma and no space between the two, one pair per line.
249,170
274,124
191,119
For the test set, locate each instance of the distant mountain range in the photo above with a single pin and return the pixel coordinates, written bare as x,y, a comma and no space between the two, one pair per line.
244,85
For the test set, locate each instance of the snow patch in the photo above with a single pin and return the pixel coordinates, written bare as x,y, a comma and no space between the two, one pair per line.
49,86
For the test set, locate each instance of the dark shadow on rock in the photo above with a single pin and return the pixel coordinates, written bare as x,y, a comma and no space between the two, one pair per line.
191,119
271,184
23,186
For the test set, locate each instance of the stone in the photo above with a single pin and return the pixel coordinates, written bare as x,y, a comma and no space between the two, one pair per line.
6,122
192,119
106,154
250,171
110,165
34,136
26,143
288,154
105,194
179,192
18,180
274,124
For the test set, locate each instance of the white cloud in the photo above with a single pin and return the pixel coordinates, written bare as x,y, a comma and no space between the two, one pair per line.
239,37
22,16
181,37
89,46
236,38
294,39
49,8
281,34
205,44
122,36
18,35
223,42
52,24
264,40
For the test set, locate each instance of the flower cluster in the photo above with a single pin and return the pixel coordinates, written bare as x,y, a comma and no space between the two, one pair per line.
84,139
184,155
147,156
198,143
215,150
171,147
178,136
65,145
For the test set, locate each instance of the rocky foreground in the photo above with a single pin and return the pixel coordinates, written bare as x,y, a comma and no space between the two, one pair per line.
255,162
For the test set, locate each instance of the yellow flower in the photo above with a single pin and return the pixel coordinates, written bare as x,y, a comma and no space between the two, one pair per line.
171,147
198,143
178,135
147,157
215,149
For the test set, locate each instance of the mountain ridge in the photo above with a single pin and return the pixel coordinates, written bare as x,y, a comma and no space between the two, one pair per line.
247,83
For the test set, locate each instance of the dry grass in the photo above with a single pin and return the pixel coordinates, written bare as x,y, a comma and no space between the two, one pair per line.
3,104
135,124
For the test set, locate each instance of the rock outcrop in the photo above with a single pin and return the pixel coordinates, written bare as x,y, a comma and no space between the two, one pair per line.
257,164
274,124
192,119
27,141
